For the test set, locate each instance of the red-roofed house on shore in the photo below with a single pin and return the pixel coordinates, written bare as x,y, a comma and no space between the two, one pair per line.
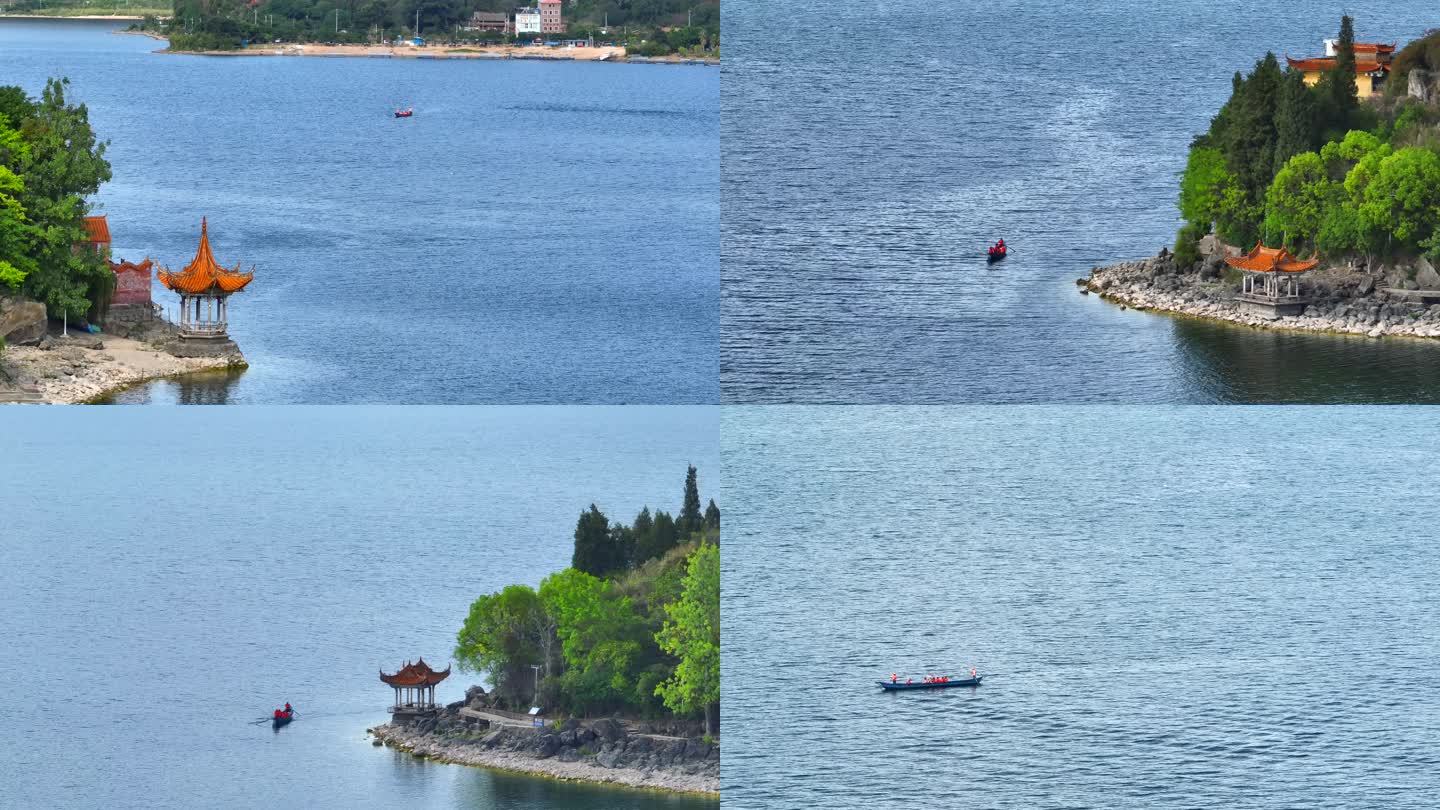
1271,283
1372,65
414,686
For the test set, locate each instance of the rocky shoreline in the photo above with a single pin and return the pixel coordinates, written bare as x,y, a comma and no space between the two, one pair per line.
606,751
1349,299
38,366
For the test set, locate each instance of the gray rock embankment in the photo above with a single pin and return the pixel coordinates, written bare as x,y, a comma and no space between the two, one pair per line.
81,367
1353,299
603,751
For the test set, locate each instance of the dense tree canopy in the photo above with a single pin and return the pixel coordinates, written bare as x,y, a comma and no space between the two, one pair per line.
1313,167
692,634
50,162
608,639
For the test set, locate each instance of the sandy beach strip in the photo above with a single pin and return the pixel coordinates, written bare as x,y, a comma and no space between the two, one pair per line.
72,374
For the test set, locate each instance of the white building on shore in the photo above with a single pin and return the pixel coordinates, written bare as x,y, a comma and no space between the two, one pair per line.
527,21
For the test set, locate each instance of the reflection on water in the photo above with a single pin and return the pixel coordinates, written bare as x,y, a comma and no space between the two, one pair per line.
200,388
1233,364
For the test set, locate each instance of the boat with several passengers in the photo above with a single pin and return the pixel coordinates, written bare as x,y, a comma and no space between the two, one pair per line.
282,718
996,252
931,683
405,113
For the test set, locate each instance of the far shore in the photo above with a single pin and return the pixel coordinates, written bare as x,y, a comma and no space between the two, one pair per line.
130,17
579,54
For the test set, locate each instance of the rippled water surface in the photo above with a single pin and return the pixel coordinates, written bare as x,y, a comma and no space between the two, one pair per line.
872,150
170,576
1187,607
538,232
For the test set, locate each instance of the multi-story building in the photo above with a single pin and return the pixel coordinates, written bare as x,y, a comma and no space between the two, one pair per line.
527,21
488,21
550,20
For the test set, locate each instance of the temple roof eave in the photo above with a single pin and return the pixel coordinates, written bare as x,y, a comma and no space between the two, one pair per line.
416,674
1261,259
203,275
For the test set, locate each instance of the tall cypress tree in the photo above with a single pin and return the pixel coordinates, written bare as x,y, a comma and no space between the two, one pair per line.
712,516
1249,138
690,518
595,551
1341,96
1295,123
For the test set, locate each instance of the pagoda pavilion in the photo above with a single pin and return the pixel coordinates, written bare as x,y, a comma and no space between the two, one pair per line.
414,686
1272,279
204,287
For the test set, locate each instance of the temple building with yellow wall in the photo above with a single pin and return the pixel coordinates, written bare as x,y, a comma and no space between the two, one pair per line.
1372,65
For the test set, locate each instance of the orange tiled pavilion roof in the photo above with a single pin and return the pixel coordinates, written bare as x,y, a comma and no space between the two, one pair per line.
203,274
416,674
1261,259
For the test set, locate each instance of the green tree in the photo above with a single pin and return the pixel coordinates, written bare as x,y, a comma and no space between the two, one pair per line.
692,634
712,516
505,635
600,638
595,549
16,234
1337,86
1298,198
1203,185
63,165
1250,140
1295,119
690,517
1403,198
661,539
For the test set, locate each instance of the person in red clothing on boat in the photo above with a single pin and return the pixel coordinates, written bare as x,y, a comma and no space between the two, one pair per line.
893,677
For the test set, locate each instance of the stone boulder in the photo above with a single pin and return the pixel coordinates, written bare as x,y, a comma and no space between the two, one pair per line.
608,729
1425,276
547,746
1418,85
22,321
475,697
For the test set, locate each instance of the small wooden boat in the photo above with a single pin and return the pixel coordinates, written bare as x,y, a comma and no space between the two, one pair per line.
405,113
995,254
283,719
898,685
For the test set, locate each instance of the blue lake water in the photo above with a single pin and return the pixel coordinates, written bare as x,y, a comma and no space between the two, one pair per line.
537,233
1184,607
872,150
168,578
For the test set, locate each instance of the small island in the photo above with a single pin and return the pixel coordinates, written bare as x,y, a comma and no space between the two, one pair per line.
608,672
75,325
1312,203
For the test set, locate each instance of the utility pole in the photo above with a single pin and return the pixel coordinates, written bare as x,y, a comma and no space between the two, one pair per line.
337,20
417,21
